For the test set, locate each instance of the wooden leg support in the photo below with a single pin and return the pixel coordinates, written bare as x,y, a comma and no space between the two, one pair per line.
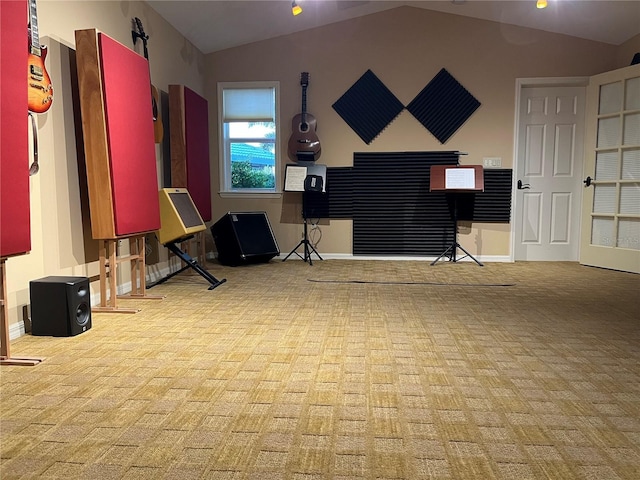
108,275
5,342
138,271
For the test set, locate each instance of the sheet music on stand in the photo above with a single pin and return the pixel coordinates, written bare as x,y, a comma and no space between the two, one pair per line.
295,176
460,178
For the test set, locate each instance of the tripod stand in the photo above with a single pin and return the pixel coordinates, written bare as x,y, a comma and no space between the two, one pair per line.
308,247
451,250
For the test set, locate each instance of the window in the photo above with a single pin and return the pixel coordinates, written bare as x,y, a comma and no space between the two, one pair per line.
249,131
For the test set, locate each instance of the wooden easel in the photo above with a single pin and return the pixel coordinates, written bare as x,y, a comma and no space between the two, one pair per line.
5,342
109,261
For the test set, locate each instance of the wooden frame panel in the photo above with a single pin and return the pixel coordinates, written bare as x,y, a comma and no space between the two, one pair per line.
94,133
188,116
115,101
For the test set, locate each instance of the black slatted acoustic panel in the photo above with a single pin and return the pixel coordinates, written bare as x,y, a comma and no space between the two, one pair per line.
494,204
443,106
337,201
387,196
394,213
368,107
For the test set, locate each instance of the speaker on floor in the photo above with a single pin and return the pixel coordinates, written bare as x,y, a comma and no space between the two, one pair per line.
60,306
179,216
243,238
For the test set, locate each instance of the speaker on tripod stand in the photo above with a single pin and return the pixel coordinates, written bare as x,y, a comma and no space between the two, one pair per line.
310,180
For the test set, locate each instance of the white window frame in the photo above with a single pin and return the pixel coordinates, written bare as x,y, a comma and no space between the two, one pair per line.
223,150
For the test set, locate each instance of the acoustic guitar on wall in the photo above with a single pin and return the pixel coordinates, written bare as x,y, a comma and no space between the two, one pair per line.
304,144
158,129
40,88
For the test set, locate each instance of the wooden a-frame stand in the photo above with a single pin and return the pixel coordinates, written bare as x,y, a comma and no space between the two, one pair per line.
5,341
109,261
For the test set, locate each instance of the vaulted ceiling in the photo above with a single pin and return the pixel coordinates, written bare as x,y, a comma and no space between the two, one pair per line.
217,25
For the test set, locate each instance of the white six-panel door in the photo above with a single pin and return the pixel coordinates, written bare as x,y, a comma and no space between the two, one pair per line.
549,173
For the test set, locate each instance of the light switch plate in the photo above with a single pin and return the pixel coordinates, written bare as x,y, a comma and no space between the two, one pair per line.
492,162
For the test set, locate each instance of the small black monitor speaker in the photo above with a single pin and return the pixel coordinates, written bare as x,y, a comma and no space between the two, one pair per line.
60,306
243,238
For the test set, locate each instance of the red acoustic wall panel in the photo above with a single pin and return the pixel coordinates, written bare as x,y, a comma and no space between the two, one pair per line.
117,123
127,98
197,139
15,231
189,124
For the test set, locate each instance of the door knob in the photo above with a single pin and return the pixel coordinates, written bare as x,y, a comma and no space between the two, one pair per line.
587,182
522,186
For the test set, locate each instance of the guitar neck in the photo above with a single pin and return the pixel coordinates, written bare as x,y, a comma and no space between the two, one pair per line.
304,102
34,39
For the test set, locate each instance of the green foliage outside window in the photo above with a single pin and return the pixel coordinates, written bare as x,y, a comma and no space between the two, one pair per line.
243,176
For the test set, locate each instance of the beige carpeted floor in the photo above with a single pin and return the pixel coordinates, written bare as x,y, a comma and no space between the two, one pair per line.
341,370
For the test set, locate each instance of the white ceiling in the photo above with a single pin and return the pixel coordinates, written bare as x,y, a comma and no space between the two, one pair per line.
217,25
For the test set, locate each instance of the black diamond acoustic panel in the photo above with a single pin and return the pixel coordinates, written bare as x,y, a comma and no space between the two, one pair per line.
368,107
443,106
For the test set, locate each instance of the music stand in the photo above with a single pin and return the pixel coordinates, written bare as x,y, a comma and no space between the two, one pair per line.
306,180
454,180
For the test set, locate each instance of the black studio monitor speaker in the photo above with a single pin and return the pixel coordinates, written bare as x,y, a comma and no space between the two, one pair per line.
60,306
243,238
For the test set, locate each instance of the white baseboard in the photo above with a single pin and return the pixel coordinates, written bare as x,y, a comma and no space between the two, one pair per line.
16,330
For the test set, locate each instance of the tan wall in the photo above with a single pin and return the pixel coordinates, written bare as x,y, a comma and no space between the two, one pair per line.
627,50
405,48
